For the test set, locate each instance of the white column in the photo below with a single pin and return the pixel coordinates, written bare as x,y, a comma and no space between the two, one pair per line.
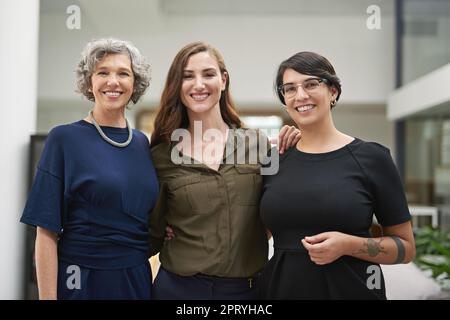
19,35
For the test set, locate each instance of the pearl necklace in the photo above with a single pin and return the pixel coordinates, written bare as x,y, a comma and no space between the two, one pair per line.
114,143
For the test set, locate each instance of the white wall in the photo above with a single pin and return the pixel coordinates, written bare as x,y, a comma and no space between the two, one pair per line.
252,44
368,123
18,64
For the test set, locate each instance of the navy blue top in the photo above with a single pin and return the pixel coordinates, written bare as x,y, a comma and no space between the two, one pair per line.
98,197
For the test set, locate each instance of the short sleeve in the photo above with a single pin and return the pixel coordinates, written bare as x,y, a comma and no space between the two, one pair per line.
45,203
391,207
143,139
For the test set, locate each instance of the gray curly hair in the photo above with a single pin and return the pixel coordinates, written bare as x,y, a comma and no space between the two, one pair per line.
96,50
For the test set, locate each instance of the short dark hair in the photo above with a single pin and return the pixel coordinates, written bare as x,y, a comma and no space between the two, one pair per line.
309,63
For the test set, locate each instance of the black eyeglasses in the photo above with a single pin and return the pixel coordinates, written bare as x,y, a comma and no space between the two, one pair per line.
289,90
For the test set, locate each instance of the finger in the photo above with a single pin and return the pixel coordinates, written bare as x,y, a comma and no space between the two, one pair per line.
281,136
168,236
320,260
294,137
315,260
297,138
290,139
318,248
169,232
286,138
306,245
280,140
315,255
283,131
317,238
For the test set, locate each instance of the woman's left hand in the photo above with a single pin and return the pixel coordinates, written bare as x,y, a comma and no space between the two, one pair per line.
326,247
169,233
287,138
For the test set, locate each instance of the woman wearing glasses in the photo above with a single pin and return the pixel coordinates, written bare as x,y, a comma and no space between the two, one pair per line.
320,205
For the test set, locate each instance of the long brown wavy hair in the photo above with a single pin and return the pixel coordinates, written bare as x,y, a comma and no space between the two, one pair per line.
172,112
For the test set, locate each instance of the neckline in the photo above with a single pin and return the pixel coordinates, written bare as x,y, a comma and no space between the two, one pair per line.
327,155
105,128
195,161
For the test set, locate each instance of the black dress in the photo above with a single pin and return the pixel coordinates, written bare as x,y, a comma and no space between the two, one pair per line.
334,191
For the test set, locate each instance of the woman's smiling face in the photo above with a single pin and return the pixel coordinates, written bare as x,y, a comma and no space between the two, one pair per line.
307,107
203,83
113,81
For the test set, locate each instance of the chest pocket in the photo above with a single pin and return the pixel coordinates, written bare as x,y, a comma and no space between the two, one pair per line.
193,194
248,184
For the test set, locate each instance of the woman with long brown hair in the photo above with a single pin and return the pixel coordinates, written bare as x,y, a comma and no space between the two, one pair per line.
210,185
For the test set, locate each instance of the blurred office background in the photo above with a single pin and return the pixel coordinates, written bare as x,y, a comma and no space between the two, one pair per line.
393,57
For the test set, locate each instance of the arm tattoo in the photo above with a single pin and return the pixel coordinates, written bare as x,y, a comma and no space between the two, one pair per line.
372,247
400,248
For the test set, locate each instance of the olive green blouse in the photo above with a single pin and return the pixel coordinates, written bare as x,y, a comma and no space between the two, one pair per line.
214,214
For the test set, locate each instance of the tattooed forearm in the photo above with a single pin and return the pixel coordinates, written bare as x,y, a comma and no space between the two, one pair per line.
372,247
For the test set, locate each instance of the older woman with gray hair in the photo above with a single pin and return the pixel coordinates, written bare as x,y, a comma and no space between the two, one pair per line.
95,187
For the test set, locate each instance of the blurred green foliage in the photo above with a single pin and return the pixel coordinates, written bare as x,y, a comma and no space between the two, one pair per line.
433,253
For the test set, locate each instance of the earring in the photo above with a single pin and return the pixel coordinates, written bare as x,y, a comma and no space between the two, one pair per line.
333,103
